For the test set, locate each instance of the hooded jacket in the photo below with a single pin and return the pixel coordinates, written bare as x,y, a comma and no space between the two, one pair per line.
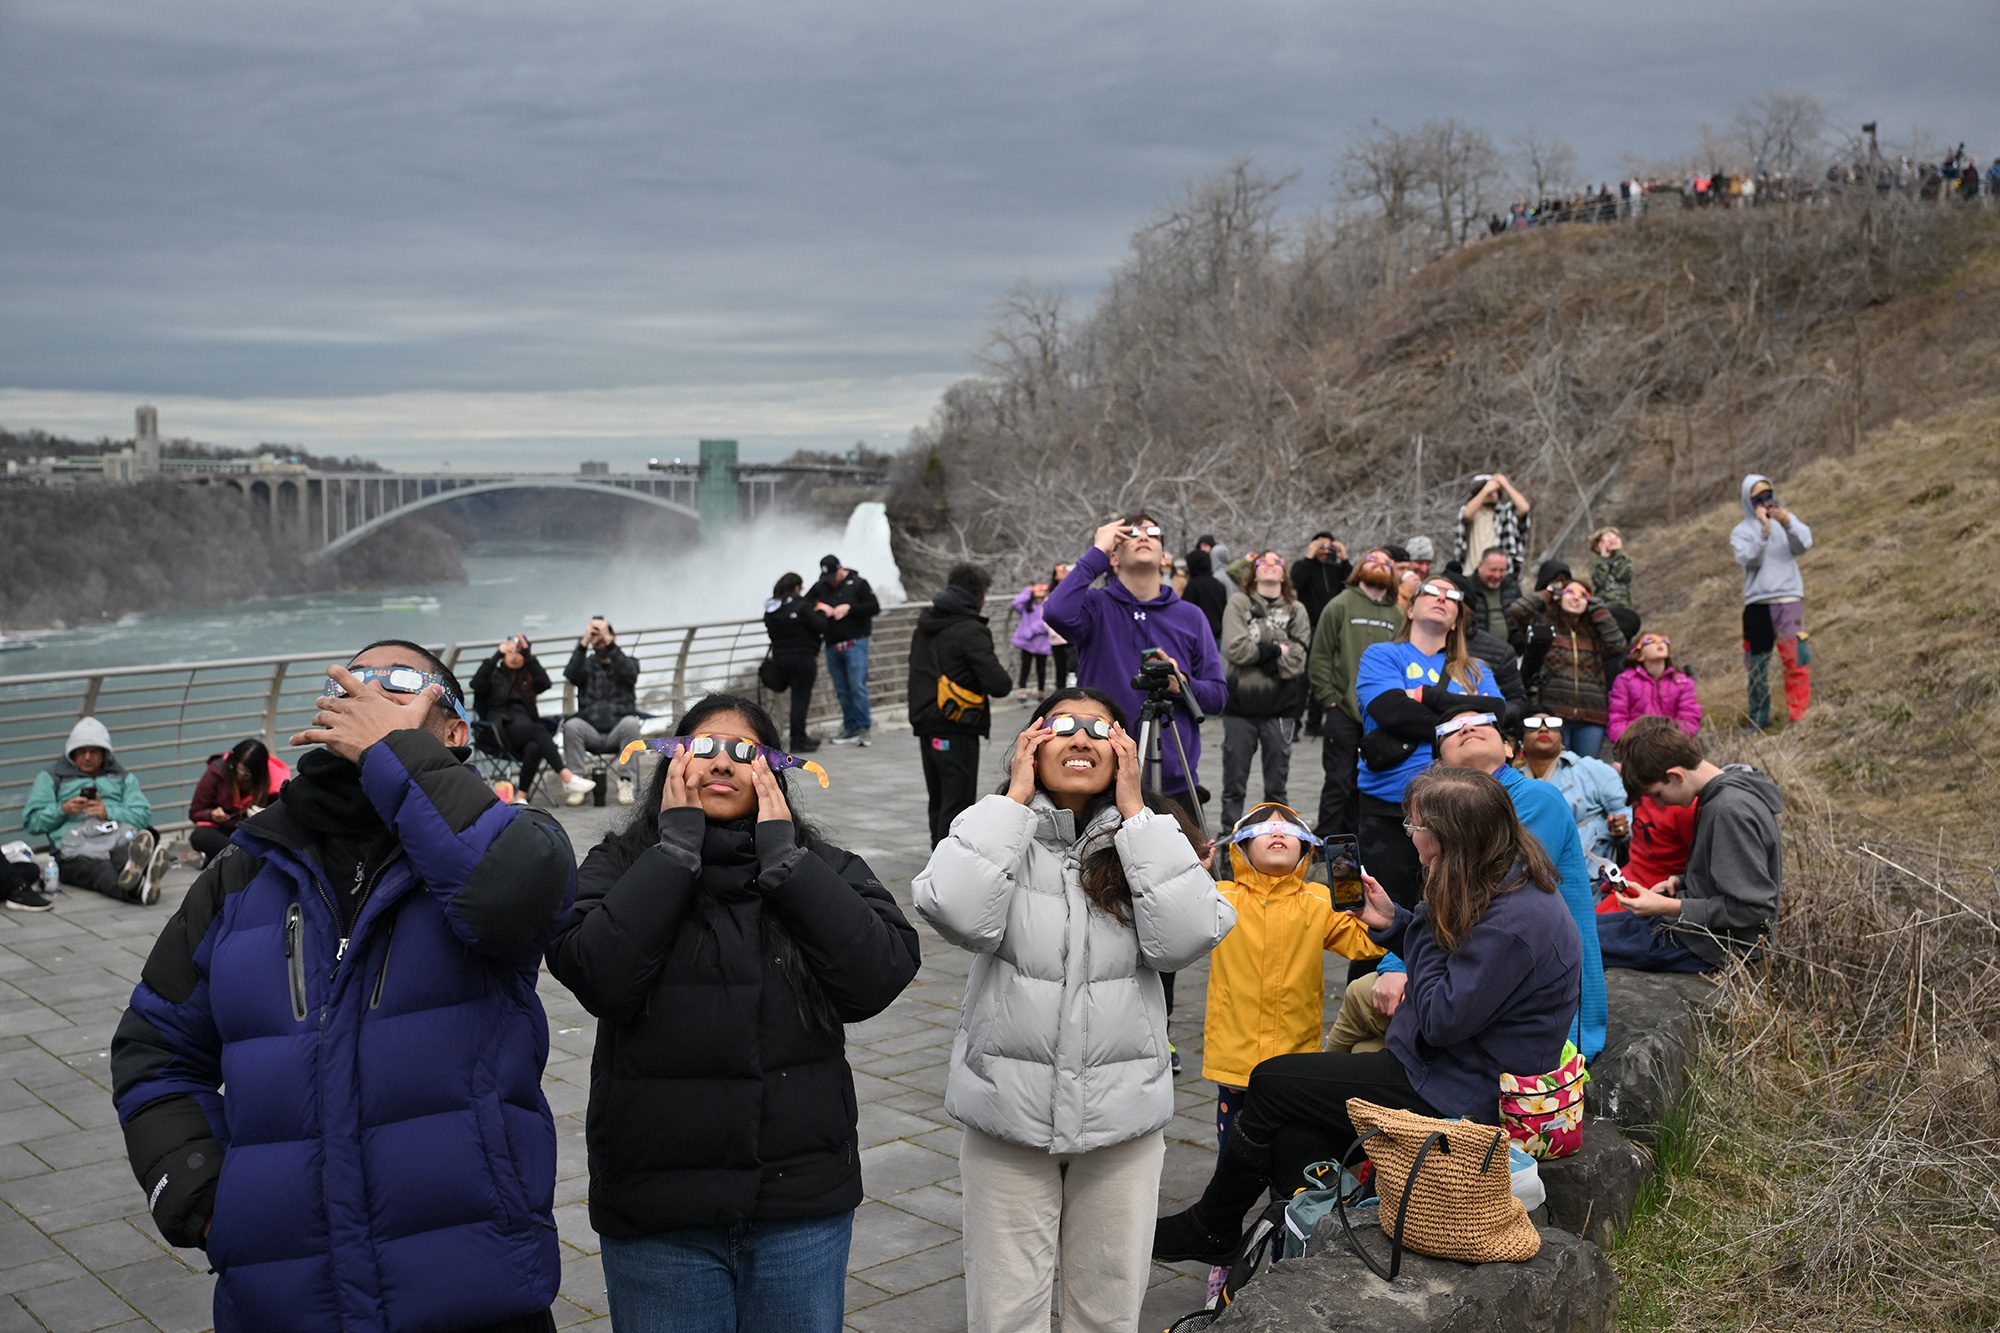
1204,591
1501,1003
858,597
1735,868
1111,629
495,692
1319,581
42,813
796,627
713,1100
1031,632
952,640
1266,989
1062,1043
1770,559
1265,680
1635,694
606,685
1570,656
357,1106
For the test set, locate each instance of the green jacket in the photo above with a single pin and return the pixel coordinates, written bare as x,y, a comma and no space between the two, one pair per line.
1611,579
119,790
1348,625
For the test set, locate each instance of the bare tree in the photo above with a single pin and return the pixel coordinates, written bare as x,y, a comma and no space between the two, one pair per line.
1781,134
1386,167
1546,161
1460,167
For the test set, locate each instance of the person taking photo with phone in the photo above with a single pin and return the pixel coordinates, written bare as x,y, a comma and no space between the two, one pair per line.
1073,888
607,718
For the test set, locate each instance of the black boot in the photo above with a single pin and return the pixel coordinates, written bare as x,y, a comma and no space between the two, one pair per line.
1210,1231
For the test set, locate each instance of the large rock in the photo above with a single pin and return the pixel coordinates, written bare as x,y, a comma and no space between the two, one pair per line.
1568,1286
1591,1192
1643,1071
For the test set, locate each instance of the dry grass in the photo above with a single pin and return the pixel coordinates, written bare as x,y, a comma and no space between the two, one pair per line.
1840,1165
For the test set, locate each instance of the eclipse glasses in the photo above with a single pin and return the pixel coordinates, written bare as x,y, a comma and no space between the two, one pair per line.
399,680
739,750
1066,724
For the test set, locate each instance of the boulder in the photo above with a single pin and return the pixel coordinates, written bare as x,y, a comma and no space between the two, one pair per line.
1591,1192
1639,1078
1568,1286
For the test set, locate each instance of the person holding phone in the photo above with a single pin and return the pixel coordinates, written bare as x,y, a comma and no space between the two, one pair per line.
1768,544
1494,962
504,690
607,717
93,812
1073,888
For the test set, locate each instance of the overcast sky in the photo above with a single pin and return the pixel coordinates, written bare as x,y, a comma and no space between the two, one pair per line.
530,233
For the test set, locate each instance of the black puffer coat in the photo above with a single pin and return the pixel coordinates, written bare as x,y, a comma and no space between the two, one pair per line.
714,1096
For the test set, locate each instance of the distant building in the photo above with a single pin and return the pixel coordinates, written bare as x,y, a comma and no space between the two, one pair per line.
140,462
593,468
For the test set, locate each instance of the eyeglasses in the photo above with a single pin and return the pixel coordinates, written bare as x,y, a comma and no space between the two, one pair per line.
1408,827
1646,640
1542,724
1066,724
1451,726
1268,558
1444,590
398,680
1265,827
742,751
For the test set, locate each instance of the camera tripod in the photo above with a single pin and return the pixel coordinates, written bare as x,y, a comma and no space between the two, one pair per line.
1156,715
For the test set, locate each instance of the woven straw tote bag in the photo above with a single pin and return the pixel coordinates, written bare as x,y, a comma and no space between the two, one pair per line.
1445,1189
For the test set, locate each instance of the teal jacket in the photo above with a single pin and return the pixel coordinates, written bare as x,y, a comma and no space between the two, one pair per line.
43,815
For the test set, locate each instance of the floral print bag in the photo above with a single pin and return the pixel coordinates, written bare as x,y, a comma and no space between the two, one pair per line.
1543,1113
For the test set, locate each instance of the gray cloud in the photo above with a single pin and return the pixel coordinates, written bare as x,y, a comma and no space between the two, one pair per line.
369,225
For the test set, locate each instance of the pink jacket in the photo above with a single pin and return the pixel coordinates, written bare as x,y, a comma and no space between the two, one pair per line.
1635,694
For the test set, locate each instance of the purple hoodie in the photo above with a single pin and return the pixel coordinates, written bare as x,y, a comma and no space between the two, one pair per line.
1110,628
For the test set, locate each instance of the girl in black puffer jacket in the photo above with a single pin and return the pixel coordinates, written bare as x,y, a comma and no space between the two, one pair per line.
722,944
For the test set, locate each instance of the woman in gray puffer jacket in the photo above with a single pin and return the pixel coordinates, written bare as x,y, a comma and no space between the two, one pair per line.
1075,890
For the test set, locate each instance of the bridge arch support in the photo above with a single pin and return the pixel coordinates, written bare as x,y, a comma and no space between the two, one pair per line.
362,531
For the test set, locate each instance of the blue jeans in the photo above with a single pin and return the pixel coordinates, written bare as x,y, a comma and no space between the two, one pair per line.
847,668
789,1275
1584,738
1641,944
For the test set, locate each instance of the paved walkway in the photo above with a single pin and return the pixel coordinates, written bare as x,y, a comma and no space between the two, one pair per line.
78,1250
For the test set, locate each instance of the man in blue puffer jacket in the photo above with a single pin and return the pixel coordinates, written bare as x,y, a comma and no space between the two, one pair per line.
330,1074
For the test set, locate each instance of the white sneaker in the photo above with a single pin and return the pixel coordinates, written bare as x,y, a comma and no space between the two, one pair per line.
624,791
576,798
138,858
578,784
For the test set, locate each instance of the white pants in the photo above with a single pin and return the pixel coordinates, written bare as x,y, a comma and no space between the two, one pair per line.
1026,1211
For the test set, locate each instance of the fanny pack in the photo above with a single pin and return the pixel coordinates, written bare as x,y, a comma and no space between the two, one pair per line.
958,705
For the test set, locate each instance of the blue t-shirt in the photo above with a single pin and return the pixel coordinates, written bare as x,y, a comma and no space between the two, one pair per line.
1400,666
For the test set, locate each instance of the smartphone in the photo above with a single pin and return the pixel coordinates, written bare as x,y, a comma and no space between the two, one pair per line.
1343,872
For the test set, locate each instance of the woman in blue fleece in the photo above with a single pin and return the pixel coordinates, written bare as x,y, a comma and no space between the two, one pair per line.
1495,964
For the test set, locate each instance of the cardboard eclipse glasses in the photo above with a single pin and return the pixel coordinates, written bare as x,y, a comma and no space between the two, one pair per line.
739,750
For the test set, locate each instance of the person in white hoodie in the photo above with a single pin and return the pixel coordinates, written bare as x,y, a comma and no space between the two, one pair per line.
1768,544
1075,890
95,817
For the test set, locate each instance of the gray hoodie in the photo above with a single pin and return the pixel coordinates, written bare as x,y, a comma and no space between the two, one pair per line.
1735,869
1770,560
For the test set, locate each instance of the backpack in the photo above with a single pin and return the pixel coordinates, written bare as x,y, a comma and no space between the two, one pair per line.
1282,1231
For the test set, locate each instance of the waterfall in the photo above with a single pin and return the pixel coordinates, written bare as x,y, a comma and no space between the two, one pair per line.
865,549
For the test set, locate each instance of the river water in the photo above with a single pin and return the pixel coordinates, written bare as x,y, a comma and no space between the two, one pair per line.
546,590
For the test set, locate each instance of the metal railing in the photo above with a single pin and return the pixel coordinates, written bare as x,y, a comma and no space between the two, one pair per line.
167,720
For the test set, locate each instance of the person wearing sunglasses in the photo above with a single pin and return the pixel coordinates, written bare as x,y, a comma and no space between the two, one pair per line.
1595,793
723,942
1115,627
361,964
1266,635
1074,889
1401,685
1652,686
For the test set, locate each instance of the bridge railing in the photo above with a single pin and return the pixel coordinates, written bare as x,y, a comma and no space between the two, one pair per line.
167,720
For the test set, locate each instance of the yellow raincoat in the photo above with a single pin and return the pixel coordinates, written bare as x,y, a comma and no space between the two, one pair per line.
1266,996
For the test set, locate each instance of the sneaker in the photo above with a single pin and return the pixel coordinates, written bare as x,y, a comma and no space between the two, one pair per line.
29,898
850,738
624,791
576,797
147,891
861,739
138,858
806,746
579,785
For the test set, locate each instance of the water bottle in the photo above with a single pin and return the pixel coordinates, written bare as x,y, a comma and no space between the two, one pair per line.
51,878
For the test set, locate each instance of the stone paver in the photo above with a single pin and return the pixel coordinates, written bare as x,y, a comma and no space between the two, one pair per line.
78,1250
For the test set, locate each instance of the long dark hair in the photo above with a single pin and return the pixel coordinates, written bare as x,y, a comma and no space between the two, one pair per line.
251,759
788,585
1102,875
1481,847
623,846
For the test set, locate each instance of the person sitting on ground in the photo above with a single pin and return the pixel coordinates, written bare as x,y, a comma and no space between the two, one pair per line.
1611,576
1652,686
503,694
1723,905
1031,636
797,629
1576,635
1204,591
1494,966
233,787
1494,515
96,818
1493,590
1468,736
954,679
1266,635
607,706
1661,837
353,982
1595,792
